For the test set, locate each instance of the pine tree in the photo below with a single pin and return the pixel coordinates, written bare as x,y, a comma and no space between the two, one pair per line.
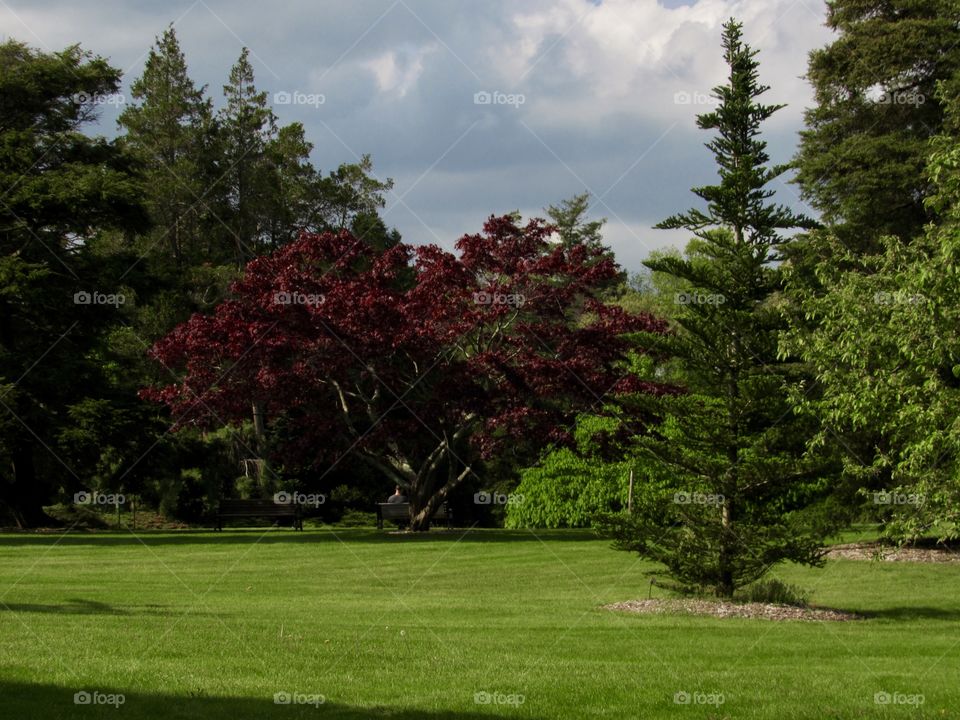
729,439
167,128
248,126
570,219
862,157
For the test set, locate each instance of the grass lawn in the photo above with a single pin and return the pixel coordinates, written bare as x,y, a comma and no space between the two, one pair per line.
204,625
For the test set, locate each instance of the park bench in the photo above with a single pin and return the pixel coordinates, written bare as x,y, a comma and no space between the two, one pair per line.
400,513
259,509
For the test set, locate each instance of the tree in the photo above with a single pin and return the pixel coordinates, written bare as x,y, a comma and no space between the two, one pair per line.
730,444
62,189
168,128
417,361
569,217
886,353
294,204
862,156
351,192
248,126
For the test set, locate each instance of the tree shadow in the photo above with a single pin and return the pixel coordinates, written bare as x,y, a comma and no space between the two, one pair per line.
80,606
30,701
269,536
912,613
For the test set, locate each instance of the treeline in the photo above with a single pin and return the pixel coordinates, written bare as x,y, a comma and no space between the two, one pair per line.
105,246
110,247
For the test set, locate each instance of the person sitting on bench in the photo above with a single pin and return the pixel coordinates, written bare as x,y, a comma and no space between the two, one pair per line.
397,497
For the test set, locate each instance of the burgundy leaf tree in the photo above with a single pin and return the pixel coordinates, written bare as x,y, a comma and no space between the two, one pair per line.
416,360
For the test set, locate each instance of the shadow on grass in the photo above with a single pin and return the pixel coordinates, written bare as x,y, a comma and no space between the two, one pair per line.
29,701
911,613
268,535
92,607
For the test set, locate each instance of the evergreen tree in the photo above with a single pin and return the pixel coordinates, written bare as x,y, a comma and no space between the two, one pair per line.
293,202
729,441
63,189
167,129
248,126
862,157
570,219
349,192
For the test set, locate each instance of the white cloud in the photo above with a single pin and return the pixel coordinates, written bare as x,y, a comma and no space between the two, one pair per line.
599,82
398,71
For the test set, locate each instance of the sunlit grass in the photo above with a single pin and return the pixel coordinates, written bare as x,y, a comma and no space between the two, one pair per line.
204,625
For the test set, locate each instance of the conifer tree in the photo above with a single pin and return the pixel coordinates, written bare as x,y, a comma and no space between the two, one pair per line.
741,485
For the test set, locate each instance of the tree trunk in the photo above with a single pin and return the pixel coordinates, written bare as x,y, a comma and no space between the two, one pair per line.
259,427
422,511
725,584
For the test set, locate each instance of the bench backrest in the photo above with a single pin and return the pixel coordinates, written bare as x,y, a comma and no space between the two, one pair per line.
265,508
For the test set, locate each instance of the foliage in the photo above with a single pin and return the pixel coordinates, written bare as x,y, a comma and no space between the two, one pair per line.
169,128
569,218
571,484
775,590
730,444
886,353
62,189
862,156
415,360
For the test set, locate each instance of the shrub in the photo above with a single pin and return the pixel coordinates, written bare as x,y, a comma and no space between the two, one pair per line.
774,590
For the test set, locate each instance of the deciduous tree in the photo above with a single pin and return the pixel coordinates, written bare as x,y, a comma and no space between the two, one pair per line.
416,360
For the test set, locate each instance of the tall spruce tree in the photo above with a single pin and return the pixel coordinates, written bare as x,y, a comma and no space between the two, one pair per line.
862,157
167,128
248,126
741,490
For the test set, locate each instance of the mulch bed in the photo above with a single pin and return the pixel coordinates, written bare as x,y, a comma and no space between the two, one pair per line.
721,609
889,553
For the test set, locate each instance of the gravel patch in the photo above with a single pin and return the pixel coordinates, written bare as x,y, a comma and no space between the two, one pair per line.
722,609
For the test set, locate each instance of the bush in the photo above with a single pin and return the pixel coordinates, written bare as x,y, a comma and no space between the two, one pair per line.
566,490
774,590
569,486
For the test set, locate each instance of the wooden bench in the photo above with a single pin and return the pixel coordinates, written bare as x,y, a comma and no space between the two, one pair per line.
259,509
400,513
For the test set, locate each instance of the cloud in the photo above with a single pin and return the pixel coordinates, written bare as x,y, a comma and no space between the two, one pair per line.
397,71
610,92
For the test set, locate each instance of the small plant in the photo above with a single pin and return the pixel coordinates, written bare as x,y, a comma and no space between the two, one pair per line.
775,591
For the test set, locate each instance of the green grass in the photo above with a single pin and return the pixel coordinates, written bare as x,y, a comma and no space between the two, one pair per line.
204,625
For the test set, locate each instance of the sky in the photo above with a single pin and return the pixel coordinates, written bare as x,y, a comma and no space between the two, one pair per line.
478,107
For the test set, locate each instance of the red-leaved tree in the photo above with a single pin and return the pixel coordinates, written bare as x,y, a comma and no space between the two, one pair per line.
416,360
